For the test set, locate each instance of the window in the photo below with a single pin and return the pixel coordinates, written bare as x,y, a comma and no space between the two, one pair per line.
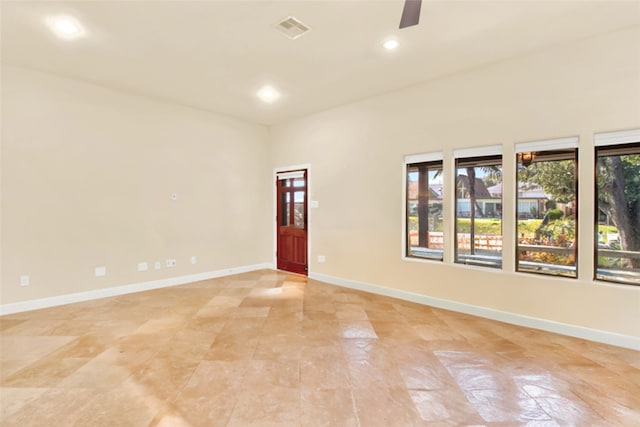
547,205
617,251
479,208
424,238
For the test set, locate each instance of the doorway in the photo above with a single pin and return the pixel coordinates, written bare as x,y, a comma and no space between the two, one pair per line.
291,221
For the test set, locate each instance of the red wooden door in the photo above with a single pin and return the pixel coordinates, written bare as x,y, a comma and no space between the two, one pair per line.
292,221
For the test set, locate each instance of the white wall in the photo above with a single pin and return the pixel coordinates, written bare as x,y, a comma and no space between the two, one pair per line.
87,175
356,153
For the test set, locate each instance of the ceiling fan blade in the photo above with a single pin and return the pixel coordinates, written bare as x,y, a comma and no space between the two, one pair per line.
410,13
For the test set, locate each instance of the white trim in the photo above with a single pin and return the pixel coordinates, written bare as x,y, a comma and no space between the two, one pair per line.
491,150
403,220
598,335
424,260
276,172
288,175
282,169
37,304
423,157
449,209
548,144
618,137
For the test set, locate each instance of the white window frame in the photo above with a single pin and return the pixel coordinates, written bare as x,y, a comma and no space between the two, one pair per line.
565,143
411,159
465,153
615,138
604,139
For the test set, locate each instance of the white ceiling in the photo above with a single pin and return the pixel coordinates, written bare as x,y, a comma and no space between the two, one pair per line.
215,55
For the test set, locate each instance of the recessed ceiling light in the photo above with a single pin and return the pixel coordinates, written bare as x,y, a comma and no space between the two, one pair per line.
65,27
268,94
390,44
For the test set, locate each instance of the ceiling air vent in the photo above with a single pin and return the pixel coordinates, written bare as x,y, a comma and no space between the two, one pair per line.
292,27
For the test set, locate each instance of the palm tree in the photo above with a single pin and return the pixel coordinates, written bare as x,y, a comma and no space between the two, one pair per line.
494,171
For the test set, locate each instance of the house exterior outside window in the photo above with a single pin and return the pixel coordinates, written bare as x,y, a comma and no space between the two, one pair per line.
617,215
547,207
478,212
424,207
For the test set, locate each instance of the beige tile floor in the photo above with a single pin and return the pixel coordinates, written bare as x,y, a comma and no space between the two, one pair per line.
269,349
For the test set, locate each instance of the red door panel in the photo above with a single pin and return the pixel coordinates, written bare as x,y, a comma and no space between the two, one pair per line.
292,221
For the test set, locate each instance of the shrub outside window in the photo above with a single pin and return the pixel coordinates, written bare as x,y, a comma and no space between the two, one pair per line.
617,252
547,207
479,211
424,237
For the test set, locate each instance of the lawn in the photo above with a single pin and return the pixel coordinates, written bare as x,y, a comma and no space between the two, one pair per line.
607,229
413,224
528,227
489,227
493,227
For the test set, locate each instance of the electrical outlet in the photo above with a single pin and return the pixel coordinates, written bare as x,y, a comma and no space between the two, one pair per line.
143,266
24,280
157,265
101,271
321,258
194,259
171,263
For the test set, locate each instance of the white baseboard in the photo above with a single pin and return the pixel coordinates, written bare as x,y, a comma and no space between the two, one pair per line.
125,289
597,335
489,313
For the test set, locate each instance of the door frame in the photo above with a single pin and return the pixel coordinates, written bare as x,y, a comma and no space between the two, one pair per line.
274,211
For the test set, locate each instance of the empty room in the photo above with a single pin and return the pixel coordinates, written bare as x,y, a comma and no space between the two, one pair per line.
320,213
